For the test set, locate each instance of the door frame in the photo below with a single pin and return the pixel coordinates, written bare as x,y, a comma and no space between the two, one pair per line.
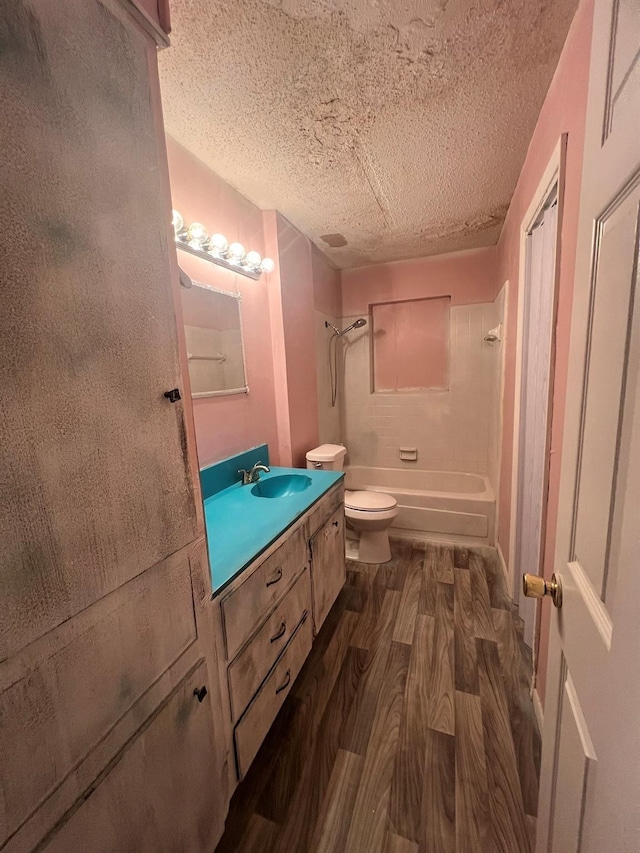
554,174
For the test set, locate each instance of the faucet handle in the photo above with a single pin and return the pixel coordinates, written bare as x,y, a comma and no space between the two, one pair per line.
246,476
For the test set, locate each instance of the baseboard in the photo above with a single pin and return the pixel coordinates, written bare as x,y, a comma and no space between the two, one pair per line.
503,564
537,707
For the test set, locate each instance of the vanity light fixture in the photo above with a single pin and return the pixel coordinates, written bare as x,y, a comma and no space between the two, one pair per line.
195,240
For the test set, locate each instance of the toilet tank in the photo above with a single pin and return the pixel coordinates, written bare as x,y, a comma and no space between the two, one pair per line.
329,457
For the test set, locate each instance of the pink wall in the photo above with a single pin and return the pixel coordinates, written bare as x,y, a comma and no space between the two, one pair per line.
327,293
227,425
291,295
468,277
564,110
411,344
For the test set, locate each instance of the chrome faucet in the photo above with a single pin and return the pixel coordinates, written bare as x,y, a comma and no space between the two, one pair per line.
253,475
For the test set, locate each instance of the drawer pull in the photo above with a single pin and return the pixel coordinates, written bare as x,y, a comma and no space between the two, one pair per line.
200,692
276,577
336,523
281,632
285,683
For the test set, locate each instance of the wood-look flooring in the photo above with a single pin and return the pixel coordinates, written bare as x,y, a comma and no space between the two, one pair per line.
410,728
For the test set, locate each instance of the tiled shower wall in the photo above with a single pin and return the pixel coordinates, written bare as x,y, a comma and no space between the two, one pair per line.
329,417
453,430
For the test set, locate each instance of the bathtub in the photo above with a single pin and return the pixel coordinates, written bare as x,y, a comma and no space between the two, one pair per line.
433,504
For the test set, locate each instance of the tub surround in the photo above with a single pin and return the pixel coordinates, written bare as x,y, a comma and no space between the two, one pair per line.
445,505
240,525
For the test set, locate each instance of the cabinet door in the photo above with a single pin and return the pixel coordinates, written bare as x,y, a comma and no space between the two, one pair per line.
327,565
95,484
157,794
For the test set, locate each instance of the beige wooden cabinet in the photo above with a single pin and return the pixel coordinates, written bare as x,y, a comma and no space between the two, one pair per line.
106,628
267,618
327,565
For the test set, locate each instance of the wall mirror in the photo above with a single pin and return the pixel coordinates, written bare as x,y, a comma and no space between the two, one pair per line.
215,347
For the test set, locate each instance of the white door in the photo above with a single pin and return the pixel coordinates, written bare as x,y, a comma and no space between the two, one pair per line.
533,446
590,777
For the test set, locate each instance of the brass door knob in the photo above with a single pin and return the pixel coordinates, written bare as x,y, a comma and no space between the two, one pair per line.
537,587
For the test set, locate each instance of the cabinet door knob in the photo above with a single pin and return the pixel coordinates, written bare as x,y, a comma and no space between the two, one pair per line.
200,692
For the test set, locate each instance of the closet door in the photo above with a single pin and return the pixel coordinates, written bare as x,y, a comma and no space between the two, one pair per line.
100,534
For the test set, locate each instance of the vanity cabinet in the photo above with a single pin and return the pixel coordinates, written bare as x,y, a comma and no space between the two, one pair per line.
268,617
327,565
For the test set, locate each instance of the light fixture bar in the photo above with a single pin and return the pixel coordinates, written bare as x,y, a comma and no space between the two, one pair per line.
195,240
214,259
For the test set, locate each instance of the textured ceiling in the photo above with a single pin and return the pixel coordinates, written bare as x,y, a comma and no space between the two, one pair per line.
392,128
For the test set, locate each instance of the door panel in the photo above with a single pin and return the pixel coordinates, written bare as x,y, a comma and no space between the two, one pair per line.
170,766
576,758
83,677
95,480
608,341
328,570
590,776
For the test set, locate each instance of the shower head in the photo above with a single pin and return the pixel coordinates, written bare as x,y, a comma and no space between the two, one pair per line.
358,324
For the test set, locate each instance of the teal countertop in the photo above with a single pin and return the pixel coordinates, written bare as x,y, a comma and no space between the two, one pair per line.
240,525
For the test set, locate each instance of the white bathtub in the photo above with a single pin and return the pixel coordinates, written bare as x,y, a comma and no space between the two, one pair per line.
433,504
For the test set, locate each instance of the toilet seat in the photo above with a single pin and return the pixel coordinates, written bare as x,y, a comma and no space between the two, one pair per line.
369,501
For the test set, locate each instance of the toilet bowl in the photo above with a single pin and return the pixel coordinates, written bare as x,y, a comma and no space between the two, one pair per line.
370,514
367,513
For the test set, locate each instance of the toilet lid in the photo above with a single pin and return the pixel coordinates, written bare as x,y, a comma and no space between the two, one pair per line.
369,501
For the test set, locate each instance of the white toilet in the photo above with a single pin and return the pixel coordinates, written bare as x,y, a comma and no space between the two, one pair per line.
369,513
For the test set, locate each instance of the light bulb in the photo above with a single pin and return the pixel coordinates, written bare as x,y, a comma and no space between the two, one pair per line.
197,234
218,243
253,260
267,265
177,221
236,252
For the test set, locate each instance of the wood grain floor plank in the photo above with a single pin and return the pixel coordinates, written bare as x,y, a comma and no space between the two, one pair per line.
364,633
406,621
438,830
465,654
305,805
408,775
312,690
245,800
397,844
370,812
395,571
427,602
472,798
498,592
444,564
357,726
260,836
509,831
332,826
524,726
482,615
440,710
406,788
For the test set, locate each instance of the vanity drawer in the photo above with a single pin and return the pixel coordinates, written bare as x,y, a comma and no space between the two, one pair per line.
245,608
257,720
249,669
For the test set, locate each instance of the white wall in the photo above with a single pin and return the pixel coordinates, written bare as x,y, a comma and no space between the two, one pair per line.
455,430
